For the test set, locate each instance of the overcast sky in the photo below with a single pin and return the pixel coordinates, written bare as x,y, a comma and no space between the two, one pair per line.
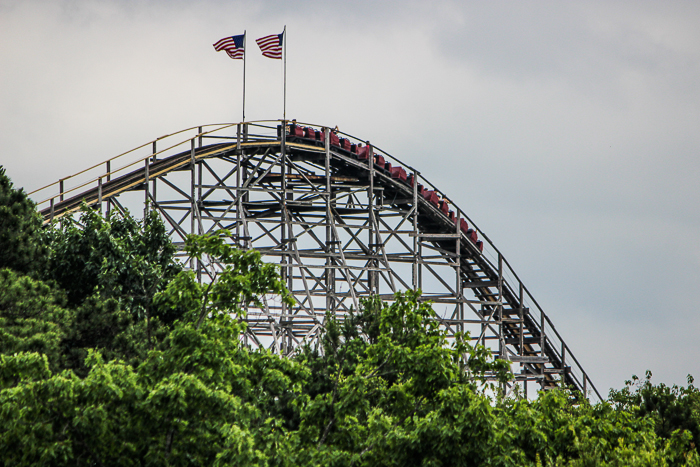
568,131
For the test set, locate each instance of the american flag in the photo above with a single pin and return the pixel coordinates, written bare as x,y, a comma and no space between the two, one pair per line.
271,46
233,45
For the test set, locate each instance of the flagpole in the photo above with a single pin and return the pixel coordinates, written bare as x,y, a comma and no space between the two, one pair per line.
284,45
244,58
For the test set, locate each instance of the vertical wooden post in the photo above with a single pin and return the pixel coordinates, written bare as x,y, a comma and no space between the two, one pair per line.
416,257
200,229
193,194
145,189
238,186
370,206
246,193
283,228
330,240
109,177
99,194
501,346
542,346
153,188
563,356
458,272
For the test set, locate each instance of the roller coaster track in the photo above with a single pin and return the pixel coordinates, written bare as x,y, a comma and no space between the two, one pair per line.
344,220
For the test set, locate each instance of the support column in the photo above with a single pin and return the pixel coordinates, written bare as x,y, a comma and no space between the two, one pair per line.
193,194
372,273
239,202
246,194
153,188
200,229
109,177
415,265
99,194
284,259
146,189
458,272
501,347
330,239
542,349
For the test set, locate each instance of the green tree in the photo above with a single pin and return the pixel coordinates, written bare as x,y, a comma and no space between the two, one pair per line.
137,363
21,244
386,386
103,325
111,269
671,408
32,317
116,256
199,398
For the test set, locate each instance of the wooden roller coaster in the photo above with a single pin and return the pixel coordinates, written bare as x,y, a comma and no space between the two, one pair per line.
343,219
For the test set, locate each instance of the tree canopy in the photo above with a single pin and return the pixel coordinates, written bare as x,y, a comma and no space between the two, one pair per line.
113,354
21,245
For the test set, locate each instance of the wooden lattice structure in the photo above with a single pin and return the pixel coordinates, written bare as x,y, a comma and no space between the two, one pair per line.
343,219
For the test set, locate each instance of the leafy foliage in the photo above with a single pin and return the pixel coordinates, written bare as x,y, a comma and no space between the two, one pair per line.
32,317
116,256
101,324
384,378
111,269
21,245
122,358
671,408
244,278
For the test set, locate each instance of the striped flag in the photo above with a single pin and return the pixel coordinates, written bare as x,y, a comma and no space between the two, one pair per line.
271,46
233,45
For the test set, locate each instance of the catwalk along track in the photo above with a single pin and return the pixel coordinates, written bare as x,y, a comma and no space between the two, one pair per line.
343,219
